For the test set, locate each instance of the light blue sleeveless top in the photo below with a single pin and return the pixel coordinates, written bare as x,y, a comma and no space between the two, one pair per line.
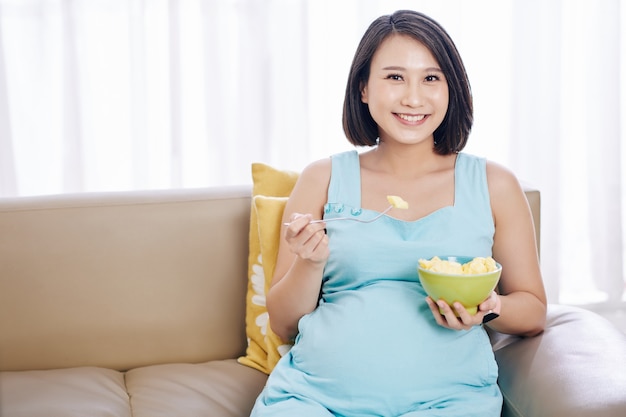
372,347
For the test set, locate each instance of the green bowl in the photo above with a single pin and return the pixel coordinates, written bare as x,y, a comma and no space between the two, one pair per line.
468,289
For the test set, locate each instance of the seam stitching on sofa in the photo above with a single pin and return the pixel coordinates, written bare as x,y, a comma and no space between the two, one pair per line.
130,403
511,406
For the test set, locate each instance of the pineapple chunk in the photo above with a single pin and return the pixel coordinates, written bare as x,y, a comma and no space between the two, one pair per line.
397,202
477,265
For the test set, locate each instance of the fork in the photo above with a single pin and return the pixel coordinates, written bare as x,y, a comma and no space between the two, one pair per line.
379,215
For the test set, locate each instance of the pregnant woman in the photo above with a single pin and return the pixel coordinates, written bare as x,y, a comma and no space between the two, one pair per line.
367,339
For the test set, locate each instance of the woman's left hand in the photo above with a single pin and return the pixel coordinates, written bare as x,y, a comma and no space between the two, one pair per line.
464,321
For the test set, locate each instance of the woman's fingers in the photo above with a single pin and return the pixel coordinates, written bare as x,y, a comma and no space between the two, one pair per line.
307,240
446,316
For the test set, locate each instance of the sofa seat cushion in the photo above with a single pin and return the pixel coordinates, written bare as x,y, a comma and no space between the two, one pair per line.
84,391
217,388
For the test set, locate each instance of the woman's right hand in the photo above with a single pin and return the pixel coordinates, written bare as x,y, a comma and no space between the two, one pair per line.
307,240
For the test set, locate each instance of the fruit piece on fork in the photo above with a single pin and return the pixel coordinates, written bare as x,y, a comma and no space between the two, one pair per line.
394,201
397,202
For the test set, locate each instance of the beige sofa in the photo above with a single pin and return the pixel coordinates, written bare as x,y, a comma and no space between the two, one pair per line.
133,304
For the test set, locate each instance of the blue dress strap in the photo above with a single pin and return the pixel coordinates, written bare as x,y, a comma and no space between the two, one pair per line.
345,179
471,189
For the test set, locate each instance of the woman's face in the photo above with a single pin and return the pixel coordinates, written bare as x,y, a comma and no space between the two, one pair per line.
407,93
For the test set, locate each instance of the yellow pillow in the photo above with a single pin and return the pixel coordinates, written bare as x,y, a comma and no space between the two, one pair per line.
264,347
269,212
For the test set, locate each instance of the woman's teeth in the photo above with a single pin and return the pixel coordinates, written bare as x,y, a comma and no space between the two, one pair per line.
410,118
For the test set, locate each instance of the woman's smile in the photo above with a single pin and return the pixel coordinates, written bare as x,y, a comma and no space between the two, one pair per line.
411,118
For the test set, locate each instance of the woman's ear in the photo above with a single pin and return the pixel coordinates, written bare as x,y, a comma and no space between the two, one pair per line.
364,98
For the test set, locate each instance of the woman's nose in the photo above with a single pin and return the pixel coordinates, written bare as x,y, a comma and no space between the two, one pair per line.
412,96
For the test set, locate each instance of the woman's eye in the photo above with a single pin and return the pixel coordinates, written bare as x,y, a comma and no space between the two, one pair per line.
395,77
432,77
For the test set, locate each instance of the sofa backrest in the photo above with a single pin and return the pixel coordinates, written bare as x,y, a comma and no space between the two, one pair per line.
126,279
122,280
534,201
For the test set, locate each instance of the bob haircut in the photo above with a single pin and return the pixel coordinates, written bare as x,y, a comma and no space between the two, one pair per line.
359,126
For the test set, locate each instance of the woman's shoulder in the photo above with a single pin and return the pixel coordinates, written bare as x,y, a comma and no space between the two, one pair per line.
499,175
314,178
501,181
321,169
309,193
316,169
505,189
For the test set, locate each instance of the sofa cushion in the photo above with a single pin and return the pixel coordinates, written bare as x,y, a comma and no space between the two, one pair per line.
267,182
218,388
566,371
84,391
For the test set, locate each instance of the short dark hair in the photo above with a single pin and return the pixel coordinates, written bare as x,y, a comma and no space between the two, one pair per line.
359,126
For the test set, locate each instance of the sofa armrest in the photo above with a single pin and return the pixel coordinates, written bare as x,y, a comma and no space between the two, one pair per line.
575,368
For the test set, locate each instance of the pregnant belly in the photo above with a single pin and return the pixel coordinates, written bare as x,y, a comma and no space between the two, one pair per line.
383,338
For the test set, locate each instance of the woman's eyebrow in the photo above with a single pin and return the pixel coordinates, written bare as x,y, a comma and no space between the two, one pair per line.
399,68
394,68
